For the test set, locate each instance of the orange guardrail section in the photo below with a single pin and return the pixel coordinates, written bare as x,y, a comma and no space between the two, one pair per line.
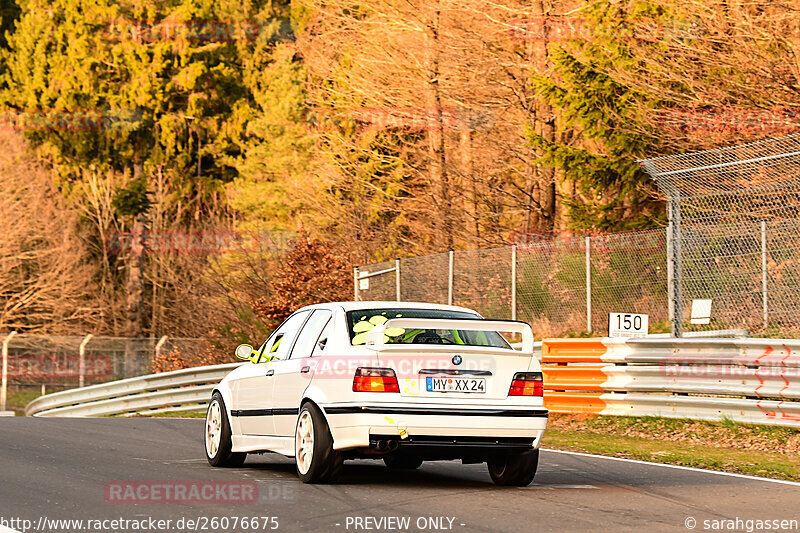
574,378
571,375
569,402
573,351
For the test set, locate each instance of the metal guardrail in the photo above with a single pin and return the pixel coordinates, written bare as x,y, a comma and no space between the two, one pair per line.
745,380
713,333
180,390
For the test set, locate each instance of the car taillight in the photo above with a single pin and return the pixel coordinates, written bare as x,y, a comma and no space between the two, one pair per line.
375,380
526,384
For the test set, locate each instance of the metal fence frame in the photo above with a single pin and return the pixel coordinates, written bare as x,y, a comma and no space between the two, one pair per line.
742,187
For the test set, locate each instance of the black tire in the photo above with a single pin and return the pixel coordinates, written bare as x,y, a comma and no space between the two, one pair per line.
402,462
222,456
514,469
325,463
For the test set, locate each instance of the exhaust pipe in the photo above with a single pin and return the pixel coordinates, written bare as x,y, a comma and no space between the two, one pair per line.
382,444
393,445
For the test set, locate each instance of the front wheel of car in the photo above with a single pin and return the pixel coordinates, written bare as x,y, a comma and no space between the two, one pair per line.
315,458
218,436
514,469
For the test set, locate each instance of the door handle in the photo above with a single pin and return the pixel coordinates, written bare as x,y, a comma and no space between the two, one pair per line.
270,372
305,370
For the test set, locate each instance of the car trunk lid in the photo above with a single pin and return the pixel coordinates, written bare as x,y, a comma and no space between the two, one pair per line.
448,373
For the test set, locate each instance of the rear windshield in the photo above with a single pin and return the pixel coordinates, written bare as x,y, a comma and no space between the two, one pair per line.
361,321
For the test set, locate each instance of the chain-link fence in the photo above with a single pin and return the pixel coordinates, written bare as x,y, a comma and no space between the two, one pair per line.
553,284
736,233
733,240
33,365
60,361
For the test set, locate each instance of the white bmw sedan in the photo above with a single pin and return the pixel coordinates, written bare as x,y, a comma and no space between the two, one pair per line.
401,382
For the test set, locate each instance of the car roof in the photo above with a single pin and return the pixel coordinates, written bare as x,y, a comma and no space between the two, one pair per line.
352,306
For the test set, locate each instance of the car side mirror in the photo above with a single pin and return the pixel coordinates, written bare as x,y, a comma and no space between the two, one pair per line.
322,344
244,351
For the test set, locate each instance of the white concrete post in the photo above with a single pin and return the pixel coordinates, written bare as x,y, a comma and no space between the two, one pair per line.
397,280
4,385
82,359
159,345
589,284
450,278
514,282
356,295
764,277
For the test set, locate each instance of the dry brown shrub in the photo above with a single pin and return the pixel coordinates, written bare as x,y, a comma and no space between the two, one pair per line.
312,272
45,270
177,359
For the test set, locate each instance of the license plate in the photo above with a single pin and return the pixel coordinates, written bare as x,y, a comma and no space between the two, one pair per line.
447,384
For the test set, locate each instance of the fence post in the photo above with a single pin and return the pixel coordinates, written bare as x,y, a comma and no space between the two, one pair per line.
513,282
159,345
397,280
589,284
675,259
450,278
355,284
82,359
764,273
670,275
4,384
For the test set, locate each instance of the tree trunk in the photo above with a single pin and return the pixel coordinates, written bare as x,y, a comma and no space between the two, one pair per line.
134,289
135,283
468,166
546,123
436,136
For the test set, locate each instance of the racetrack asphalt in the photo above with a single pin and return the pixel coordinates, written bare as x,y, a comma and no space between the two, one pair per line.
62,469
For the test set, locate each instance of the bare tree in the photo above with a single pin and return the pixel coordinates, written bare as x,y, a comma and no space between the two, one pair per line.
45,270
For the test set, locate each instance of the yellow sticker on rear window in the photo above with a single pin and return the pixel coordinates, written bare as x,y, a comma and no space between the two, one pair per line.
362,327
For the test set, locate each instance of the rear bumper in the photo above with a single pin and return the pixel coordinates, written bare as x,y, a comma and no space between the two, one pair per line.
361,426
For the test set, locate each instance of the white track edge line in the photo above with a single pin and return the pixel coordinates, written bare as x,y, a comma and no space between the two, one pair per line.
679,467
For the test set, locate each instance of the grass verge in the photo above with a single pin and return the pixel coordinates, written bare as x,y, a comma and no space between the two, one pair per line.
19,397
727,446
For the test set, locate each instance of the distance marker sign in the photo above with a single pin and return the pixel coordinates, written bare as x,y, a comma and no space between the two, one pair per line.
627,325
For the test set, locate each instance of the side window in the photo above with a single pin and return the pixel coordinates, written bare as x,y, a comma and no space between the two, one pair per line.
281,341
319,347
308,337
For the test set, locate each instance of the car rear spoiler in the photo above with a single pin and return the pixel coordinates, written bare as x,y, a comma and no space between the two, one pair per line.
376,335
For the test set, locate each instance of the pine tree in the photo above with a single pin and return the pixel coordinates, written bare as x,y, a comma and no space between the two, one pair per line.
608,132
147,91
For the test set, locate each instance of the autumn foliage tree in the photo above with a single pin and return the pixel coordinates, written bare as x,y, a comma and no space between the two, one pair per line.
312,272
389,127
